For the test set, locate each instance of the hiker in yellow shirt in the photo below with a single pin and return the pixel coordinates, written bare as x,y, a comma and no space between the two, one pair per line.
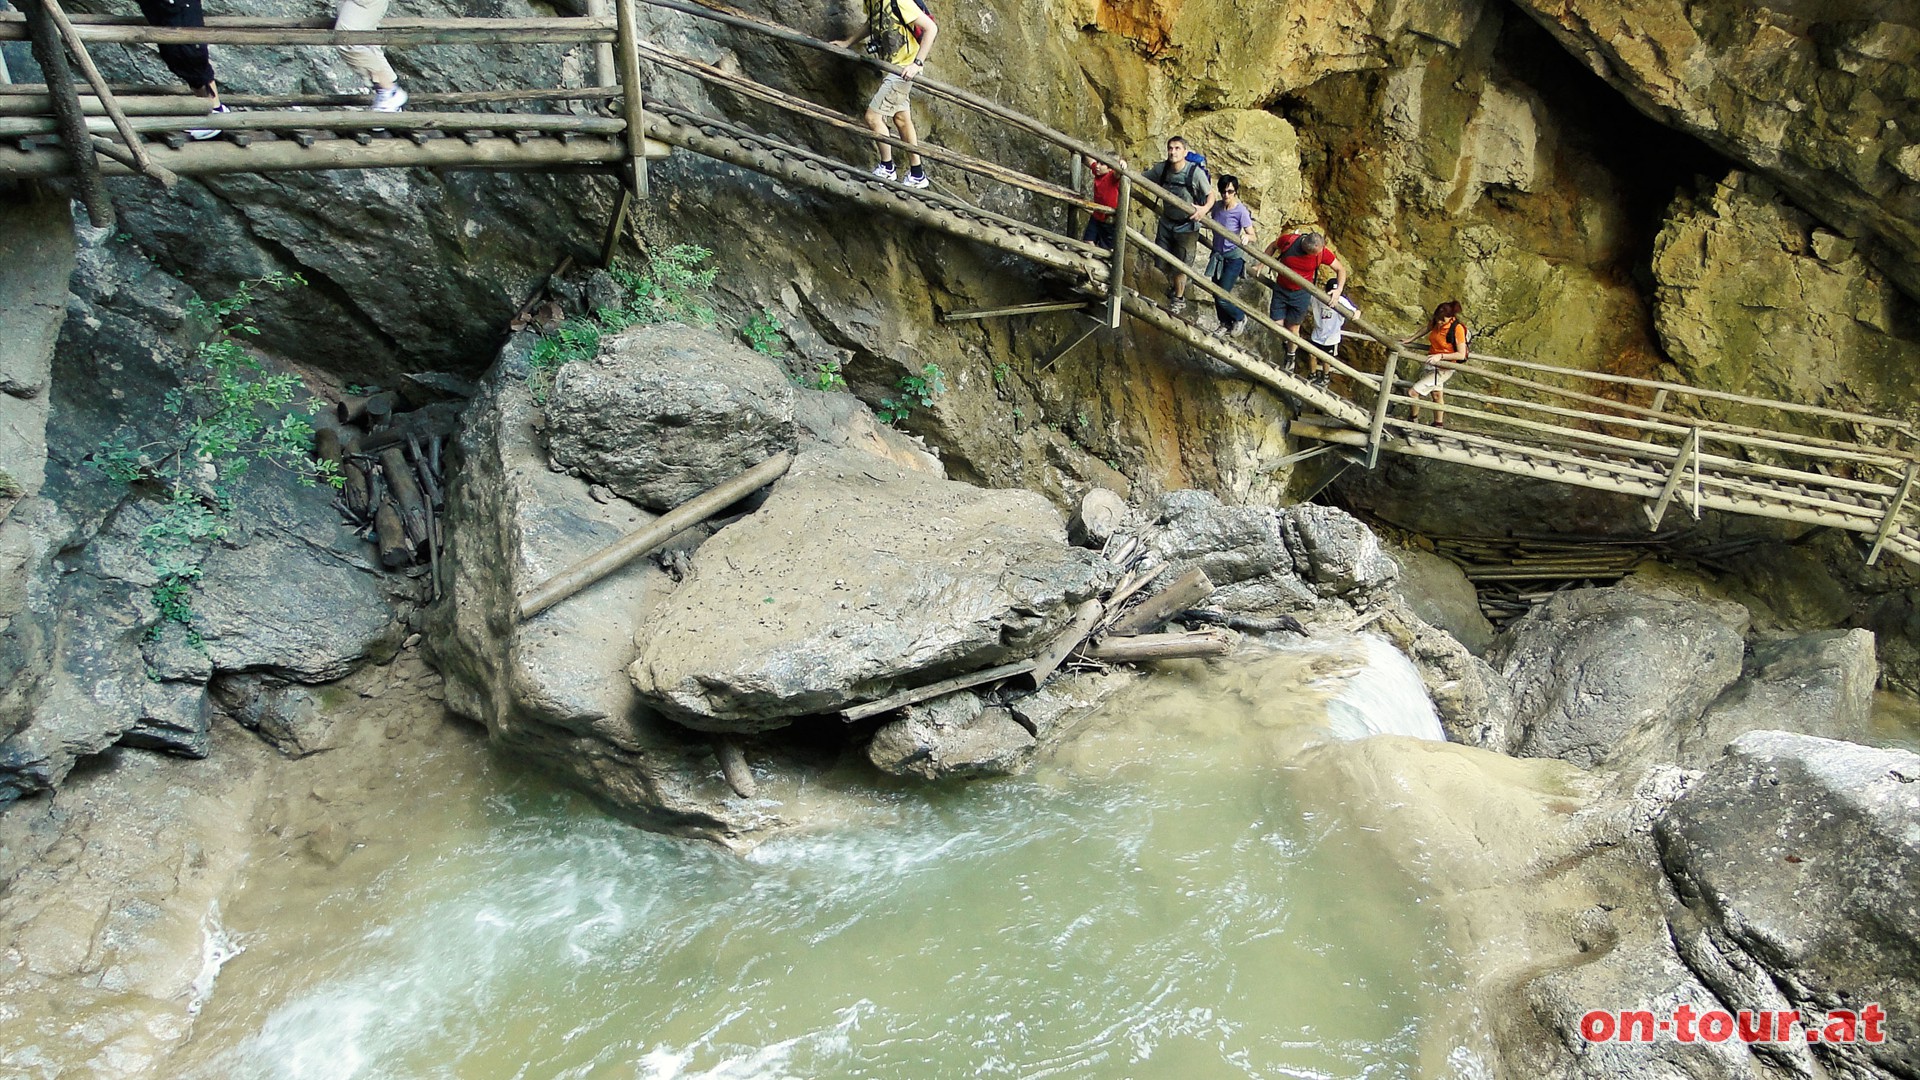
901,33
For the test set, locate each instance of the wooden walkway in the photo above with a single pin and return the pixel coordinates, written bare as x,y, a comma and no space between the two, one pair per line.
1662,442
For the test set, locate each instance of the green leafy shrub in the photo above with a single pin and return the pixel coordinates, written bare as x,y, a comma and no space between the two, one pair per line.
762,334
227,413
914,390
826,376
671,287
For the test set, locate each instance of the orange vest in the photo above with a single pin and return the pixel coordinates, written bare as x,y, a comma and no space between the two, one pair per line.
1442,340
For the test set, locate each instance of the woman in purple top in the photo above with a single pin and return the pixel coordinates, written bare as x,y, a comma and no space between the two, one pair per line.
1228,261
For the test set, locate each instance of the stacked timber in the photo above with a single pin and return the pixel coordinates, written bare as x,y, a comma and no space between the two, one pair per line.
1517,572
392,469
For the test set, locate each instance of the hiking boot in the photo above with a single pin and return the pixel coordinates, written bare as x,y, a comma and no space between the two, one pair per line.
203,134
389,98
917,180
1177,305
884,171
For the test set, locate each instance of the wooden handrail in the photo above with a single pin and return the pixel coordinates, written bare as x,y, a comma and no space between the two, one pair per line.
297,32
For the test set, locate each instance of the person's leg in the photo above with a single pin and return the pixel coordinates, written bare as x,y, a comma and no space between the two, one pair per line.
903,122
1440,396
1291,311
1182,248
191,64
889,100
1230,316
369,60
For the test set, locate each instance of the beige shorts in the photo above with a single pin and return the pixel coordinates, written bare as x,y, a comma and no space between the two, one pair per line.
891,98
1434,379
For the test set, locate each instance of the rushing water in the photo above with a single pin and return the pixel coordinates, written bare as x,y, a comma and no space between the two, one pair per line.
1151,902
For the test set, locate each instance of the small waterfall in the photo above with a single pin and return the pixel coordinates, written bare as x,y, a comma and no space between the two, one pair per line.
1385,697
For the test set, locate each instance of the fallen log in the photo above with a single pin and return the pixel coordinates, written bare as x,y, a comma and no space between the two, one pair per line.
1144,647
326,445
356,490
423,471
1085,618
406,492
1131,585
394,551
733,765
1251,623
372,408
1186,591
933,690
664,528
437,420
1098,516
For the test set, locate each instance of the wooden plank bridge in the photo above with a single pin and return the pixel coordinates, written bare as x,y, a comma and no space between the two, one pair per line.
1662,442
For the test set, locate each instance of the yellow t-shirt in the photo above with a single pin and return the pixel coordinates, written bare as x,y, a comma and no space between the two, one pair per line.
896,16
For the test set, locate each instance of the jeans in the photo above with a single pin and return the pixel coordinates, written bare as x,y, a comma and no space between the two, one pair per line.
1099,233
1231,267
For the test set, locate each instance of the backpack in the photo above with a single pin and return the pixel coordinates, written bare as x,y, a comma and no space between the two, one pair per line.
1465,337
886,44
1195,174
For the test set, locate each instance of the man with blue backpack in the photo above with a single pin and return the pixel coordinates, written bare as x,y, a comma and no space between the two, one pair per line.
901,33
1184,173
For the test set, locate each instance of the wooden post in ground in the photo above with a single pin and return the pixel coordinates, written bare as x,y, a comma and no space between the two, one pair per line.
604,72
624,55
664,528
1117,269
52,58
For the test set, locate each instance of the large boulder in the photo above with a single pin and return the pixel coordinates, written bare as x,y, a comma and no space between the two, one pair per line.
552,691
1600,674
953,737
666,411
1438,591
1818,684
857,578
1795,860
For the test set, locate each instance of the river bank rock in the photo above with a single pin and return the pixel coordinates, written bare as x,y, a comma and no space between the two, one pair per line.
1597,674
1794,859
855,579
666,411
1816,684
956,737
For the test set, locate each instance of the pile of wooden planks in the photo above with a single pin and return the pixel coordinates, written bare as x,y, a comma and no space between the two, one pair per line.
393,474
1516,572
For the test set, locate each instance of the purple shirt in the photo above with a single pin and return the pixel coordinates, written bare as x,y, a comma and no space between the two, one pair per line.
1234,221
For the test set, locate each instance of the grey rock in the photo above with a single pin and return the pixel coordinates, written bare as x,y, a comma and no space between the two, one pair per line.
1818,684
1231,543
289,717
856,579
1054,710
1337,553
1473,700
1600,675
553,691
36,258
953,737
667,411
174,717
1795,858
1438,591
838,419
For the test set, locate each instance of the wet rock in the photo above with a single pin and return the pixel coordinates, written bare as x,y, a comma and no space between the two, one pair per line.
36,258
553,691
1438,591
1337,554
667,411
1819,684
1600,675
855,579
1230,543
1472,700
953,737
1794,859
289,717
1053,711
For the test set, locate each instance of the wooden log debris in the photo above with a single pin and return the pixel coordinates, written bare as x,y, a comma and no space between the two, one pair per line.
1097,518
1188,590
664,528
733,765
406,493
1134,650
1085,618
394,550
933,690
437,420
356,491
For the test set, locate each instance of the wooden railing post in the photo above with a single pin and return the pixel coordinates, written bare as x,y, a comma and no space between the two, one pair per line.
1387,376
52,58
1689,450
1892,519
629,61
604,72
108,103
1117,268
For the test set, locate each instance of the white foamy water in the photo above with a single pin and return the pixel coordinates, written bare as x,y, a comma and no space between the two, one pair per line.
1150,903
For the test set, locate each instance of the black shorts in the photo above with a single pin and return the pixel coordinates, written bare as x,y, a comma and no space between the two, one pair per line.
1180,241
189,63
1289,306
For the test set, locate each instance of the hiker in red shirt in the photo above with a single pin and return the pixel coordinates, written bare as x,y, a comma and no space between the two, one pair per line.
1106,192
1304,253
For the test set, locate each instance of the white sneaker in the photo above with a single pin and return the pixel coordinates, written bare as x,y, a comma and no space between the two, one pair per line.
203,134
913,181
390,98
884,170
1239,329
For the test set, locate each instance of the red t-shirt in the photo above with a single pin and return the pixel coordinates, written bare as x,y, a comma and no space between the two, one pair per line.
1106,192
1300,263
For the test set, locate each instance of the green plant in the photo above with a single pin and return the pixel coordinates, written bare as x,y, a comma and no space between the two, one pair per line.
1080,420
762,334
826,376
669,287
914,390
1001,373
227,413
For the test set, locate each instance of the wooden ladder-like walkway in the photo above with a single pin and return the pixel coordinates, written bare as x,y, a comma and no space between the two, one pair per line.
1662,442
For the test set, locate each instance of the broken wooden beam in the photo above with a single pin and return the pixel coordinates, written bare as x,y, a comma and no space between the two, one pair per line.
662,529
1144,647
392,534
933,690
1085,618
733,766
1186,591
406,492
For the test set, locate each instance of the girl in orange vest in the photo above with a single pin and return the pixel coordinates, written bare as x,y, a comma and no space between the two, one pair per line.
1447,340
